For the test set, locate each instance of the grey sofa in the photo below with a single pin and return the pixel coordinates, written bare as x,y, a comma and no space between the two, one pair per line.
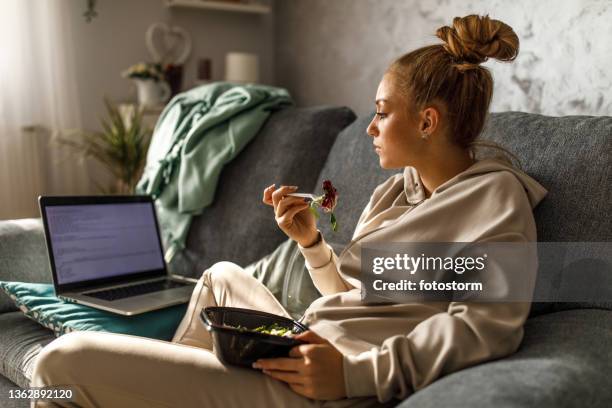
566,356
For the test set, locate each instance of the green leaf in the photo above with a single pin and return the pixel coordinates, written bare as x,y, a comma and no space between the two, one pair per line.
334,222
314,212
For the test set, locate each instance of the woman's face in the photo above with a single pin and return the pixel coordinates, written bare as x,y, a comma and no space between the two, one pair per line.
396,136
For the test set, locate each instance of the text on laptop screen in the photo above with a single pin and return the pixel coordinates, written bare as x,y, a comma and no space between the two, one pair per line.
96,241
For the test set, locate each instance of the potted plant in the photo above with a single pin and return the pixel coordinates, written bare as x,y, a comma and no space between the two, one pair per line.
121,147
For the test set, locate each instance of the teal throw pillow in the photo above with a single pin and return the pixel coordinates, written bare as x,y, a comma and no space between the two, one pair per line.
39,303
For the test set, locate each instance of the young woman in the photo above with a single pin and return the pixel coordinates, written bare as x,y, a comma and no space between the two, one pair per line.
431,106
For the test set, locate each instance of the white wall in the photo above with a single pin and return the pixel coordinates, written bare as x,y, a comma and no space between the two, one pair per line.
335,52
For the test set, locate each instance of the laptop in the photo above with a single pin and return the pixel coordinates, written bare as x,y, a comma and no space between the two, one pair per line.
106,252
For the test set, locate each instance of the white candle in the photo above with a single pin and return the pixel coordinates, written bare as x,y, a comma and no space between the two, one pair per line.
241,67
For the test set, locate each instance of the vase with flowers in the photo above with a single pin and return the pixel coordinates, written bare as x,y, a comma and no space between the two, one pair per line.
152,89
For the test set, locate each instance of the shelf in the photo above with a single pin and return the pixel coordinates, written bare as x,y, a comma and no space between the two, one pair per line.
219,5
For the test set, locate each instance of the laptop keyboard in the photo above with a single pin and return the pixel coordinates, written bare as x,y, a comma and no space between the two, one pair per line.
135,290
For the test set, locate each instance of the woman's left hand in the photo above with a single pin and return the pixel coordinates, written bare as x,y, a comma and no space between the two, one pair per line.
313,370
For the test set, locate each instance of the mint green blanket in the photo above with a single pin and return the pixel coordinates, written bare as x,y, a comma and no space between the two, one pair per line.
197,134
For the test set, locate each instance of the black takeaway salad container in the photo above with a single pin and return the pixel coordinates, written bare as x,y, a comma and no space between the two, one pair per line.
234,342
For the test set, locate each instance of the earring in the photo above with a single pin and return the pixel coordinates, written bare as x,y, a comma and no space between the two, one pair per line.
424,135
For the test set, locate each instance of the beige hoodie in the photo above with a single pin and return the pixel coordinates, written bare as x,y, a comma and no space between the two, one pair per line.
394,350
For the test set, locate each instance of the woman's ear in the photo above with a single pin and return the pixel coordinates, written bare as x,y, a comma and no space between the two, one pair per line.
430,119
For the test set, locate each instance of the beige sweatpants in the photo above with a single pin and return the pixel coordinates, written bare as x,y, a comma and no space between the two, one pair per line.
115,370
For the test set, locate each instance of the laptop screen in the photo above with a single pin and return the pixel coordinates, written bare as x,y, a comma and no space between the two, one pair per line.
96,241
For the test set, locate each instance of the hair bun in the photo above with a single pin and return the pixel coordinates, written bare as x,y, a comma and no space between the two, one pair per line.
473,39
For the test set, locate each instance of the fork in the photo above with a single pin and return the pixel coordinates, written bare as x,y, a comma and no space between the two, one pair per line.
310,197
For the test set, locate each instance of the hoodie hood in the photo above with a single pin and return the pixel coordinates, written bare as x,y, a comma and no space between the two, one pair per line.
415,193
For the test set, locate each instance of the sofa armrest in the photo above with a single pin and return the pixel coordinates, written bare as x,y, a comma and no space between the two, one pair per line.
23,255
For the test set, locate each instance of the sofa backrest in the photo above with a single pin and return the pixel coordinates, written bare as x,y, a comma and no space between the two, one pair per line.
290,149
569,156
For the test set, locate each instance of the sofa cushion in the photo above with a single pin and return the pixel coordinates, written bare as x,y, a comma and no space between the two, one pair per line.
564,361
571,156
23,255
290,149
21,339
38,302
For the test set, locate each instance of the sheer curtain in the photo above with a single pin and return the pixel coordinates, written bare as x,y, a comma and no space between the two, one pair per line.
38,100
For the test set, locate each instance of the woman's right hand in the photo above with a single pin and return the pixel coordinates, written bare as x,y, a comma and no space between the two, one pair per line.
292,214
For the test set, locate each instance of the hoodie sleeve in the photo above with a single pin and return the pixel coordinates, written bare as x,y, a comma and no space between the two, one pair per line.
323,264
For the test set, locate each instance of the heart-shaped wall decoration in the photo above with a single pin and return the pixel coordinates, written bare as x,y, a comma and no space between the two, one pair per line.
168,45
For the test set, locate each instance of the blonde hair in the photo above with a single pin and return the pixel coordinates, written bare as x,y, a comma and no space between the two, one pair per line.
451,74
